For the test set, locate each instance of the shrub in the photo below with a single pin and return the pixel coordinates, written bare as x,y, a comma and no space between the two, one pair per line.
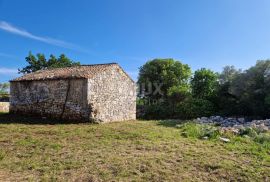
157,111
248,132
193,108
187,109
191,130
262,138
4,97
199,131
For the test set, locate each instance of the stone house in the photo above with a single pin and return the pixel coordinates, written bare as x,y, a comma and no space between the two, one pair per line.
100,93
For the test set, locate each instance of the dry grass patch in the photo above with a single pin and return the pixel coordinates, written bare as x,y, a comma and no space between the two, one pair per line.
126,151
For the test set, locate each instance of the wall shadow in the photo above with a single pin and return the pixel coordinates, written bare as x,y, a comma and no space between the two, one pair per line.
6,118
171,122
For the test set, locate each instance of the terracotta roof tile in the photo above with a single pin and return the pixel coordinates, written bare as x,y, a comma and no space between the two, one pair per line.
83,71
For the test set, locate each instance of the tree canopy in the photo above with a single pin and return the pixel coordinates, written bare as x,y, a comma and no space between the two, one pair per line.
251,90
164,74
204,84
228,74
4,88
232,92
39,62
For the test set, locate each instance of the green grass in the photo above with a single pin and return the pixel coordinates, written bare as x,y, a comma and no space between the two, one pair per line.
128,151
199,131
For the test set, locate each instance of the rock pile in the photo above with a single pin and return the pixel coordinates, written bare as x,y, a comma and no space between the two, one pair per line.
235,124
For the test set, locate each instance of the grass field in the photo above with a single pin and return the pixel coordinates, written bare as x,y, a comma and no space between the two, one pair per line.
124,151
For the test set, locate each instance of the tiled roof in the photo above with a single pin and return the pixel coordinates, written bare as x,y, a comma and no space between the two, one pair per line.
83,71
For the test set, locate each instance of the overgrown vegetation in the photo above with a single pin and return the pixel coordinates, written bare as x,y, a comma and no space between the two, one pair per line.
180,94
199,131
139,151
204,131
4,92
4,88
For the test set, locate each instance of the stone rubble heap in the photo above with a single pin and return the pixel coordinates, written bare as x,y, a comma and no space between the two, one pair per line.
235,124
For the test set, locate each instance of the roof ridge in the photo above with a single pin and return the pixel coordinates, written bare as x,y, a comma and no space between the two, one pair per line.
98,64
68,67
78,71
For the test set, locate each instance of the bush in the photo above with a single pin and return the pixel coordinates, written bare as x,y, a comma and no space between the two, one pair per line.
193,108
262,138
157,111
248,132
4,97
256,136
199,131
187,109
191,130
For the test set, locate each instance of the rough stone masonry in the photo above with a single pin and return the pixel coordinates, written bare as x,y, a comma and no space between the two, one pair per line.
99,93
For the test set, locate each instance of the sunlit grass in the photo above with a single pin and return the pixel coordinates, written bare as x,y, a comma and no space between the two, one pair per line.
124,151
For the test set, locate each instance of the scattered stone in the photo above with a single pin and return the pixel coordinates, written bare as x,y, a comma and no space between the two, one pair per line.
235,124
205,138
262,128
224,139
241,120
235,131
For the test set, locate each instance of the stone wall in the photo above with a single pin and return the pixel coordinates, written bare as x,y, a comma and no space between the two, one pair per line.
4,106
108,96
112,96
62,99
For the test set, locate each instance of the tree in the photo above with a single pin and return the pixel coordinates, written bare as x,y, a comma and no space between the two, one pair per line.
4,88
204,84
233,92
157,76
39,62
245,93
228,74
252,89
179,93
226,101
